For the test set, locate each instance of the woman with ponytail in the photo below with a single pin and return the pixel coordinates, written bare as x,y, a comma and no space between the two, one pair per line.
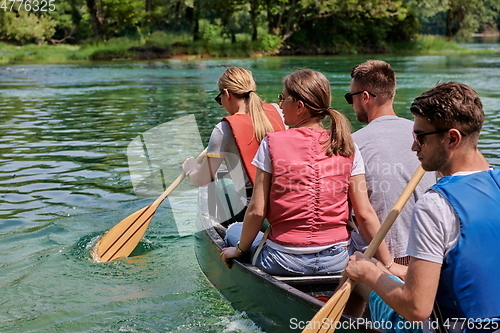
306,178
236,138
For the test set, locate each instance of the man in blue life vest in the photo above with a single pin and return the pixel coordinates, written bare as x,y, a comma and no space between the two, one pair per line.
454,242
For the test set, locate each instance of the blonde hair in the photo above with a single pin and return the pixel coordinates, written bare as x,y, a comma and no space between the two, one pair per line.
313,89
239,82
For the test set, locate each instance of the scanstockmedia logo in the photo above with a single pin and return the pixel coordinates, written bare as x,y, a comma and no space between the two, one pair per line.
333,177
328,324
383,171
155,157
155,160
324,177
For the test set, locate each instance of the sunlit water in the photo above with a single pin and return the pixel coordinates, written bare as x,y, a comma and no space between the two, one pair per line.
64,180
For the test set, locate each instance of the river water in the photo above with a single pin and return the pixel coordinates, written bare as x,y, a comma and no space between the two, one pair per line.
64,181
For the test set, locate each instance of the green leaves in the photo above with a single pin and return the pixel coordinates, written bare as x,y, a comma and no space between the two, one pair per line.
459,17
341,24
26,27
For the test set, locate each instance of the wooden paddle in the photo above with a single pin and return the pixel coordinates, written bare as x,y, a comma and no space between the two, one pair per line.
122,239
326,318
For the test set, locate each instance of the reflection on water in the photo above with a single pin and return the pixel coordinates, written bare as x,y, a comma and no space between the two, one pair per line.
486,42
64,180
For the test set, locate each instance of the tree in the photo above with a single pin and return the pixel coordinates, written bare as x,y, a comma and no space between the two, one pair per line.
353,26
462,17
468,16
195,19
233,16
285,17
69,26
96,18
122,16
254,13
26,27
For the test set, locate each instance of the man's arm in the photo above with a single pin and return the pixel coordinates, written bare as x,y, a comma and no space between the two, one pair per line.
413,299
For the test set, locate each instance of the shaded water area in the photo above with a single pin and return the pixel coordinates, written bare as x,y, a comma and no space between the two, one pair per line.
64,180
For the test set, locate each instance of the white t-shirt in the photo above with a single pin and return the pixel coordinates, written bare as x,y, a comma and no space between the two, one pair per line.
222,145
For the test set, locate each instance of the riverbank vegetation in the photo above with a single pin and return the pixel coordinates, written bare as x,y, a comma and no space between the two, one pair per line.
64,30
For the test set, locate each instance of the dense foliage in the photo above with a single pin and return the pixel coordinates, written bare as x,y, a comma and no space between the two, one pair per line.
300,26
457,17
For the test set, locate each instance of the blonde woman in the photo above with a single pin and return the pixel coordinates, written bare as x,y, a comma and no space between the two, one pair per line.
236,138
305,189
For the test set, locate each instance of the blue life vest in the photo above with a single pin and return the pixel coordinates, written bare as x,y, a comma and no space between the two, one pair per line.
469,285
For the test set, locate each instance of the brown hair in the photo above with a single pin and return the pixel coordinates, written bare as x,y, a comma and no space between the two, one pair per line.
239,82
313,89
375,76
451,105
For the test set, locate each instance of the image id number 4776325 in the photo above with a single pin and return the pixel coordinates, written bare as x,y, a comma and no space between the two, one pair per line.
472,324
28,5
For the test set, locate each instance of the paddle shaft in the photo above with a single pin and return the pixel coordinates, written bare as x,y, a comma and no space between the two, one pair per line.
332,310
144,217
174,184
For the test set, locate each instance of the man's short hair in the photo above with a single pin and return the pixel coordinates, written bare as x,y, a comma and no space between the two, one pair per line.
375,76
451,105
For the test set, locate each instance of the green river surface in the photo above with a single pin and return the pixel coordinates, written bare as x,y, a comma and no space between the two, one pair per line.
64,181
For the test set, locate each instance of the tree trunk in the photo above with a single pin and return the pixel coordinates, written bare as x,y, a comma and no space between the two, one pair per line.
95,18
195,24
290,21
76,16
273,20
254,12
454,20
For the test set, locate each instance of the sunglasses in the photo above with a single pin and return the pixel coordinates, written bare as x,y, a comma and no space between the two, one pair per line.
348,96
281,98
418,137
218,98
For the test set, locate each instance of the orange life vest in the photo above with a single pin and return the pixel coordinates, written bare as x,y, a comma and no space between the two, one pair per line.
242,128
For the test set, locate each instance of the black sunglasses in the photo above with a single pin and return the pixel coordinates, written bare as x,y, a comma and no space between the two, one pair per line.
282,99
218,98
348,96
417,137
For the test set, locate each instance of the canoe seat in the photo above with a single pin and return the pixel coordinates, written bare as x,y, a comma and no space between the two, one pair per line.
314,279
319,286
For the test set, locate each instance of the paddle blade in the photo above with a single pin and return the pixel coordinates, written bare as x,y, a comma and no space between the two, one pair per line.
122,239
327,317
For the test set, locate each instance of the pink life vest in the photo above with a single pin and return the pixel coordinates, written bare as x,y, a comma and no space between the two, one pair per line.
242,128
308,195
